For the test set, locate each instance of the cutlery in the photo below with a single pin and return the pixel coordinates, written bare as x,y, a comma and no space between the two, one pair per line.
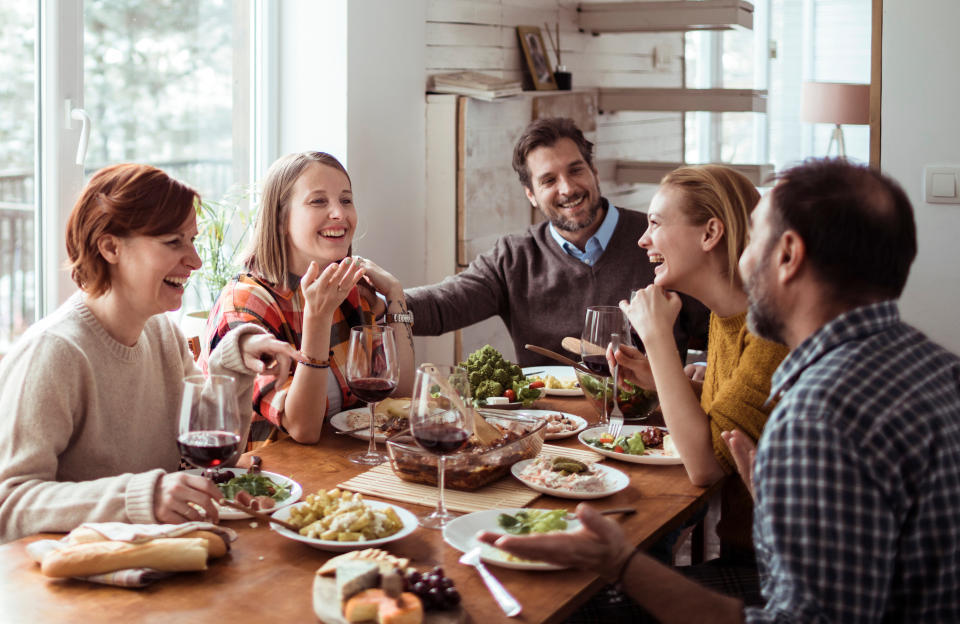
560,358
571,344
259,515
381,428
507,602
616,416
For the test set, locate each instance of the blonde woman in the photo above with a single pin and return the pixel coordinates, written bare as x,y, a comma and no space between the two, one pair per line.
698,223
303,286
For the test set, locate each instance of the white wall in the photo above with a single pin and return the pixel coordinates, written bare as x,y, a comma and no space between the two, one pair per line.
921,126
370,53
386,132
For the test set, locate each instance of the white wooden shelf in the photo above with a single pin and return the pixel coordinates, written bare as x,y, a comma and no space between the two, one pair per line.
675,16
683,100
649,172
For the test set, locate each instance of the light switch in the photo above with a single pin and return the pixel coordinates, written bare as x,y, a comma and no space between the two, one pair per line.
941,184
944,185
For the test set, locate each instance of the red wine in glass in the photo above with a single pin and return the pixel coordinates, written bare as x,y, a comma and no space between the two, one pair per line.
208,449
598,364
371,389
440,439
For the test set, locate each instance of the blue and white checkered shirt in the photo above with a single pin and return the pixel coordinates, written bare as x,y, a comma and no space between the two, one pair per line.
857,478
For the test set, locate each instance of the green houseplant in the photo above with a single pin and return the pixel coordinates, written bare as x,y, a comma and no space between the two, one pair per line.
223,228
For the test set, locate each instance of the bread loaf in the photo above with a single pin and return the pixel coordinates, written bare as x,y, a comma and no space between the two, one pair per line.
166,554
216,546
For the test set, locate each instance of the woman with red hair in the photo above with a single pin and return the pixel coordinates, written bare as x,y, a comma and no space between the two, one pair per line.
91,393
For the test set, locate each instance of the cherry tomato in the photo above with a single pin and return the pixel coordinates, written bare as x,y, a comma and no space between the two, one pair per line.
510,394
618,449
537,384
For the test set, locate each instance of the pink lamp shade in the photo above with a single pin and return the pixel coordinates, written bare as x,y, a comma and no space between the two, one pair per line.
836,103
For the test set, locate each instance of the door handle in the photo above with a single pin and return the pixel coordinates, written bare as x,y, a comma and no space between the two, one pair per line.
78,114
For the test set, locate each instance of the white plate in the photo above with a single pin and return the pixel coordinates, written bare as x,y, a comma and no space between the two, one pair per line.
563,373
229,513
461,533
408,519
652,456
581,422
614,479
339,422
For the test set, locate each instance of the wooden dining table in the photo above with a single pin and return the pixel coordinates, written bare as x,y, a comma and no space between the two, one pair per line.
268,578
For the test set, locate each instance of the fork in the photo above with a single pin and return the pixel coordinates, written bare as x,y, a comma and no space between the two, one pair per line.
507,602
616,414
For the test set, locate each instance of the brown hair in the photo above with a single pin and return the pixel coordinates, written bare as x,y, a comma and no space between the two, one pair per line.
856,223
122,200
546,132
715,191
267,255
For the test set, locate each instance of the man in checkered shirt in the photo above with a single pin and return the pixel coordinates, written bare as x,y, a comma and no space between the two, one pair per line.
857,473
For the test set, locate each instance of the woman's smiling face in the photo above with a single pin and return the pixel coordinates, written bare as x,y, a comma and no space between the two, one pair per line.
671,241
151,272
322,218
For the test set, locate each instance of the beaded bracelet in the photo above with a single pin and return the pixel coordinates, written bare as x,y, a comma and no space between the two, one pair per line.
315,363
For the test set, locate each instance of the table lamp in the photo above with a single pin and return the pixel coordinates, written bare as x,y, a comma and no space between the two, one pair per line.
837,103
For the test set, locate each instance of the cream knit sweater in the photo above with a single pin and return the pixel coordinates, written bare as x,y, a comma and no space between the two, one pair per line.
88,425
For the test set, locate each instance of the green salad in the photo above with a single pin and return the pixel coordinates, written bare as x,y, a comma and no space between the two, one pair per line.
255,485
632,445
533,521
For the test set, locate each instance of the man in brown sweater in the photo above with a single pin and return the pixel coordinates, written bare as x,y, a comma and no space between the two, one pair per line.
541,282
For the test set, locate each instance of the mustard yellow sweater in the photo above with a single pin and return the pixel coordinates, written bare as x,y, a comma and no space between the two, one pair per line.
740,366
737,383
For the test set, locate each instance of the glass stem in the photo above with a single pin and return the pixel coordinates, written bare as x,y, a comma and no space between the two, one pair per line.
372,447
442,471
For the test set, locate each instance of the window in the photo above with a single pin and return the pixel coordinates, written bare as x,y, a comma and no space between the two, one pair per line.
792,41
163,82
18,151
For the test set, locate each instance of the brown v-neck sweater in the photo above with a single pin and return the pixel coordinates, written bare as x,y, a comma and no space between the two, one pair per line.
542,293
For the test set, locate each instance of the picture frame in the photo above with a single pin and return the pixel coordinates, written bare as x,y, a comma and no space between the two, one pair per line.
535,53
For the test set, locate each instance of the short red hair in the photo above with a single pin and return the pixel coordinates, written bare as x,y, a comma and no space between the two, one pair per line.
122,200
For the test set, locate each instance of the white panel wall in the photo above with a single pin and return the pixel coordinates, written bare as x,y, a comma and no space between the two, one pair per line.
312,50
481,35
920,126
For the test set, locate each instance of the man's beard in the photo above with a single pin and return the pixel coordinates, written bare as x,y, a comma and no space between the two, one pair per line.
567,225
763,318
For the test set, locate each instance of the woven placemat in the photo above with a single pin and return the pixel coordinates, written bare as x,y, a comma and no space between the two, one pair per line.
382,482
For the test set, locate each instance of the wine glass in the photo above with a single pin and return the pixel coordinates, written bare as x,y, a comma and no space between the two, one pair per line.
440,423
371,375
600,324
209,433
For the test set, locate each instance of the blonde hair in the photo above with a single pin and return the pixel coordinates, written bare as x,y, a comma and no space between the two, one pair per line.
715,191
267,254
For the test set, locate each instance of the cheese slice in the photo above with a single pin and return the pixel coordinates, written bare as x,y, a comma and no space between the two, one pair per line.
355,576
375,605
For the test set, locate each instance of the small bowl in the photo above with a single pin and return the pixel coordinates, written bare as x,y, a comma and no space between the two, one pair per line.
637,404
471,469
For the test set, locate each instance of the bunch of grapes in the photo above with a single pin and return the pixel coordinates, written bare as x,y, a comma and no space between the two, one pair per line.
435,590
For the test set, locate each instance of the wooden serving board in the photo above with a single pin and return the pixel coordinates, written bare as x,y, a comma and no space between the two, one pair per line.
326,605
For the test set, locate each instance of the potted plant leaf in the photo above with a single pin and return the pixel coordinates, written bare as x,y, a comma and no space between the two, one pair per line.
223,227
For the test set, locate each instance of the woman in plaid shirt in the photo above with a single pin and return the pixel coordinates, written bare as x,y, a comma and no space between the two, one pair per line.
303,286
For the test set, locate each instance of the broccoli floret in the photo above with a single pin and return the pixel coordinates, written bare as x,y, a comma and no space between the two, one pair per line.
475,379
486,389
503,377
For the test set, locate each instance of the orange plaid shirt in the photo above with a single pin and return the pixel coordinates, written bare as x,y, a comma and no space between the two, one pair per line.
279,310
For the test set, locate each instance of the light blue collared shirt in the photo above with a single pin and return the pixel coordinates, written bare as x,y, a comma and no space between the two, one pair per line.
596,244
